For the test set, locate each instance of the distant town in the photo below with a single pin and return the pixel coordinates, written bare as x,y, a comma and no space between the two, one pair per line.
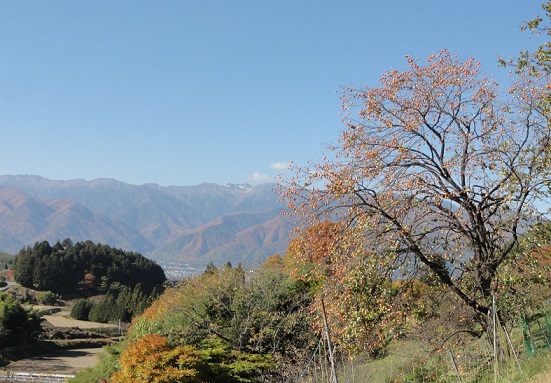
174,271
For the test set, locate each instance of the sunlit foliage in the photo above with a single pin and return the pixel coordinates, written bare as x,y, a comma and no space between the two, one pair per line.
241,325
152,360
17,324
438,172
540,60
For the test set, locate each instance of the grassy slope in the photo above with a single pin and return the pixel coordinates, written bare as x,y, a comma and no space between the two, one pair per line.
406,356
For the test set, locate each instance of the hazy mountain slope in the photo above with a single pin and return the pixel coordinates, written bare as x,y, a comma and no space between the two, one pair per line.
25,220
144,208
240,237
22,214
194,224
273,236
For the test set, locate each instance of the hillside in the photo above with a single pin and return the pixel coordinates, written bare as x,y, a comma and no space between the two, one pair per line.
191,225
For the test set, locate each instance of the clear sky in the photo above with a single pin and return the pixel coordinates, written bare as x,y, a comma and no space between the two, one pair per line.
183,92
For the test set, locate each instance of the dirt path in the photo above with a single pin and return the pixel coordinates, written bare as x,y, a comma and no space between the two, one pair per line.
62,362
63,319
59,362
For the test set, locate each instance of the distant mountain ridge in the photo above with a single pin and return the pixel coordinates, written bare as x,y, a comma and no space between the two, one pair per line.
188,224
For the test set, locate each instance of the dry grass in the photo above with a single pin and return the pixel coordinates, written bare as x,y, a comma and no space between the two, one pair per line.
61,319
542,378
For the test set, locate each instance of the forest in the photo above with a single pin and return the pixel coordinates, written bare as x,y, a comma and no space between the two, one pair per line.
231,324
85,267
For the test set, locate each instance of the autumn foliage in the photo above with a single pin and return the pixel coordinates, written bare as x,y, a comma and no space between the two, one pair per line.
226,325
438,172
151,359
364,305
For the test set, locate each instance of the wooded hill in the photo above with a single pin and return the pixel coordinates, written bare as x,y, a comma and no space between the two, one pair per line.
84,266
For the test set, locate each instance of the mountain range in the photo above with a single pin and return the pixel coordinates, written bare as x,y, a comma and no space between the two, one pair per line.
191,225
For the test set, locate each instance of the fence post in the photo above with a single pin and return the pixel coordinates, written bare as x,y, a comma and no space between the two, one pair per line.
495,337
527,335
329,345
455,367
512,348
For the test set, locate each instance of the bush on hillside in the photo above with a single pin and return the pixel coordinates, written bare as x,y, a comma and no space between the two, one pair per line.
47,298
81,309
17,324
105,311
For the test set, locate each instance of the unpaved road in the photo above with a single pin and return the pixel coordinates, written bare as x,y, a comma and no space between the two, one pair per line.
59,362
64,362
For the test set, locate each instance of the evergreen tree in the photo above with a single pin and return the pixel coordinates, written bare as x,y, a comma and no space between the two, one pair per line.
62,268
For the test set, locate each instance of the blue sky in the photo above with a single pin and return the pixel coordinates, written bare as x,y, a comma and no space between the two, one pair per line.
184,92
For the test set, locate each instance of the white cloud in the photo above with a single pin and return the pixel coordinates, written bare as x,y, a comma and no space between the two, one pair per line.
259,178
280,165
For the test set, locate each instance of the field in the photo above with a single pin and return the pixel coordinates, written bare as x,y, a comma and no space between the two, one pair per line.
63,319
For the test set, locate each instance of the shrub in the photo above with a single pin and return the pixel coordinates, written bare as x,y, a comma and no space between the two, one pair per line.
17,324
47,298
81,309
12,314
105,311
152,359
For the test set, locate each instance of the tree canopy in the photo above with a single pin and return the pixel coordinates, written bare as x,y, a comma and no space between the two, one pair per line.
540,60
17,324
84,265
438,171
